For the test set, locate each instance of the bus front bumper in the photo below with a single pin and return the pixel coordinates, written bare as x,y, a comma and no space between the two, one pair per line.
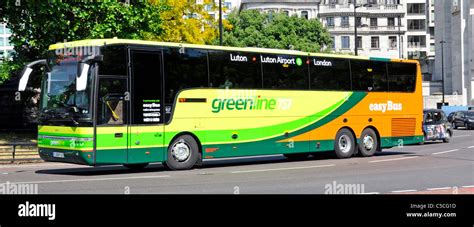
68,156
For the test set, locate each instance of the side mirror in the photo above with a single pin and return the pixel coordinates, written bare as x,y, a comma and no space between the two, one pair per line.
27,72
84,66
81,81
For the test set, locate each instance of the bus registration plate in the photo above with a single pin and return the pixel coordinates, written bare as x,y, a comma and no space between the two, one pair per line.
58,155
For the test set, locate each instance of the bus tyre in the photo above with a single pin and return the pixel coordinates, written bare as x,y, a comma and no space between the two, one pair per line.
297,156
344,145
183,153
136,166
368,143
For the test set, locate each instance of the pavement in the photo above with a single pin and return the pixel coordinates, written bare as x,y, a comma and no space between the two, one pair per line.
432,168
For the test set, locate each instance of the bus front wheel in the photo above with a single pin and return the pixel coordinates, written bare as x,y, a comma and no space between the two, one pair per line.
344,145
368,143
183,153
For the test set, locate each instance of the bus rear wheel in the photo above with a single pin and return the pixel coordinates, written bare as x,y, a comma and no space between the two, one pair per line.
344,144
368,143
183,153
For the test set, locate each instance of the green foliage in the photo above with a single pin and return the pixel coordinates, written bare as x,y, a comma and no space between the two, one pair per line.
185,21
7,67
251,28
37,24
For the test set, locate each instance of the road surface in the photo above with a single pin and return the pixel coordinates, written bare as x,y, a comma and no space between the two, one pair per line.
431,168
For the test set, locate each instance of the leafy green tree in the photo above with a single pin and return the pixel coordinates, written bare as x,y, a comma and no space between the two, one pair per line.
37,24
250,28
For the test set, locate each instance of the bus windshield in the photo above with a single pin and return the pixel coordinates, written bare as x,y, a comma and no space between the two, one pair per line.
60,100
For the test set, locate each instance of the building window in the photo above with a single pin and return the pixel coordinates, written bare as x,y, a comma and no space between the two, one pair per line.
286,12
227,5
392,2
345,21
333,2
416,24
416,8
358,21
333,38
415,41
392,41
330,21
374,42
372,2
208,7
416,54
345,42
359,42
2,29
373,22
391,22
304,14
2,41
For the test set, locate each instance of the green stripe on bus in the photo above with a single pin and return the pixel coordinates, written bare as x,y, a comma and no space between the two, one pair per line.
380,59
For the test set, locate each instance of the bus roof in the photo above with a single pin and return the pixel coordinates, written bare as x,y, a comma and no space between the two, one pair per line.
115,41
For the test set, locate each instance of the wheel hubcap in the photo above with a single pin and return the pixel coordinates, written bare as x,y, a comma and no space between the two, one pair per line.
344,144
368,142
180,151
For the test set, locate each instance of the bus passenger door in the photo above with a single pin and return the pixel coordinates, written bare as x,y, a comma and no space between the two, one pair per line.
146,128
112,119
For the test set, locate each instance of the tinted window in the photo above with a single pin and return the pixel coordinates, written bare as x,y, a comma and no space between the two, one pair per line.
369,75
234,70
330,74
284,72
146,87
185,68
115,61
401,76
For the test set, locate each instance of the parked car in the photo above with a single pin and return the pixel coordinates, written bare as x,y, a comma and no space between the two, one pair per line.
463,119
436,126
451,117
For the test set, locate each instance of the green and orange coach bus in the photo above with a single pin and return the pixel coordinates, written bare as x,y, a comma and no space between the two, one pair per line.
130,102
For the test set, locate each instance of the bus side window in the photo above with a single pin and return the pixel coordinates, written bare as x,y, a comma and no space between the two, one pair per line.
401,76
285,72
369,75
183,68
234,70
329,74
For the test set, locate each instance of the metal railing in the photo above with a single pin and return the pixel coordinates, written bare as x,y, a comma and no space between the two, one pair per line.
10,152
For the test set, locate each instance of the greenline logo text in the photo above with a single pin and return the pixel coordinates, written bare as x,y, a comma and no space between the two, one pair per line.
252,103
